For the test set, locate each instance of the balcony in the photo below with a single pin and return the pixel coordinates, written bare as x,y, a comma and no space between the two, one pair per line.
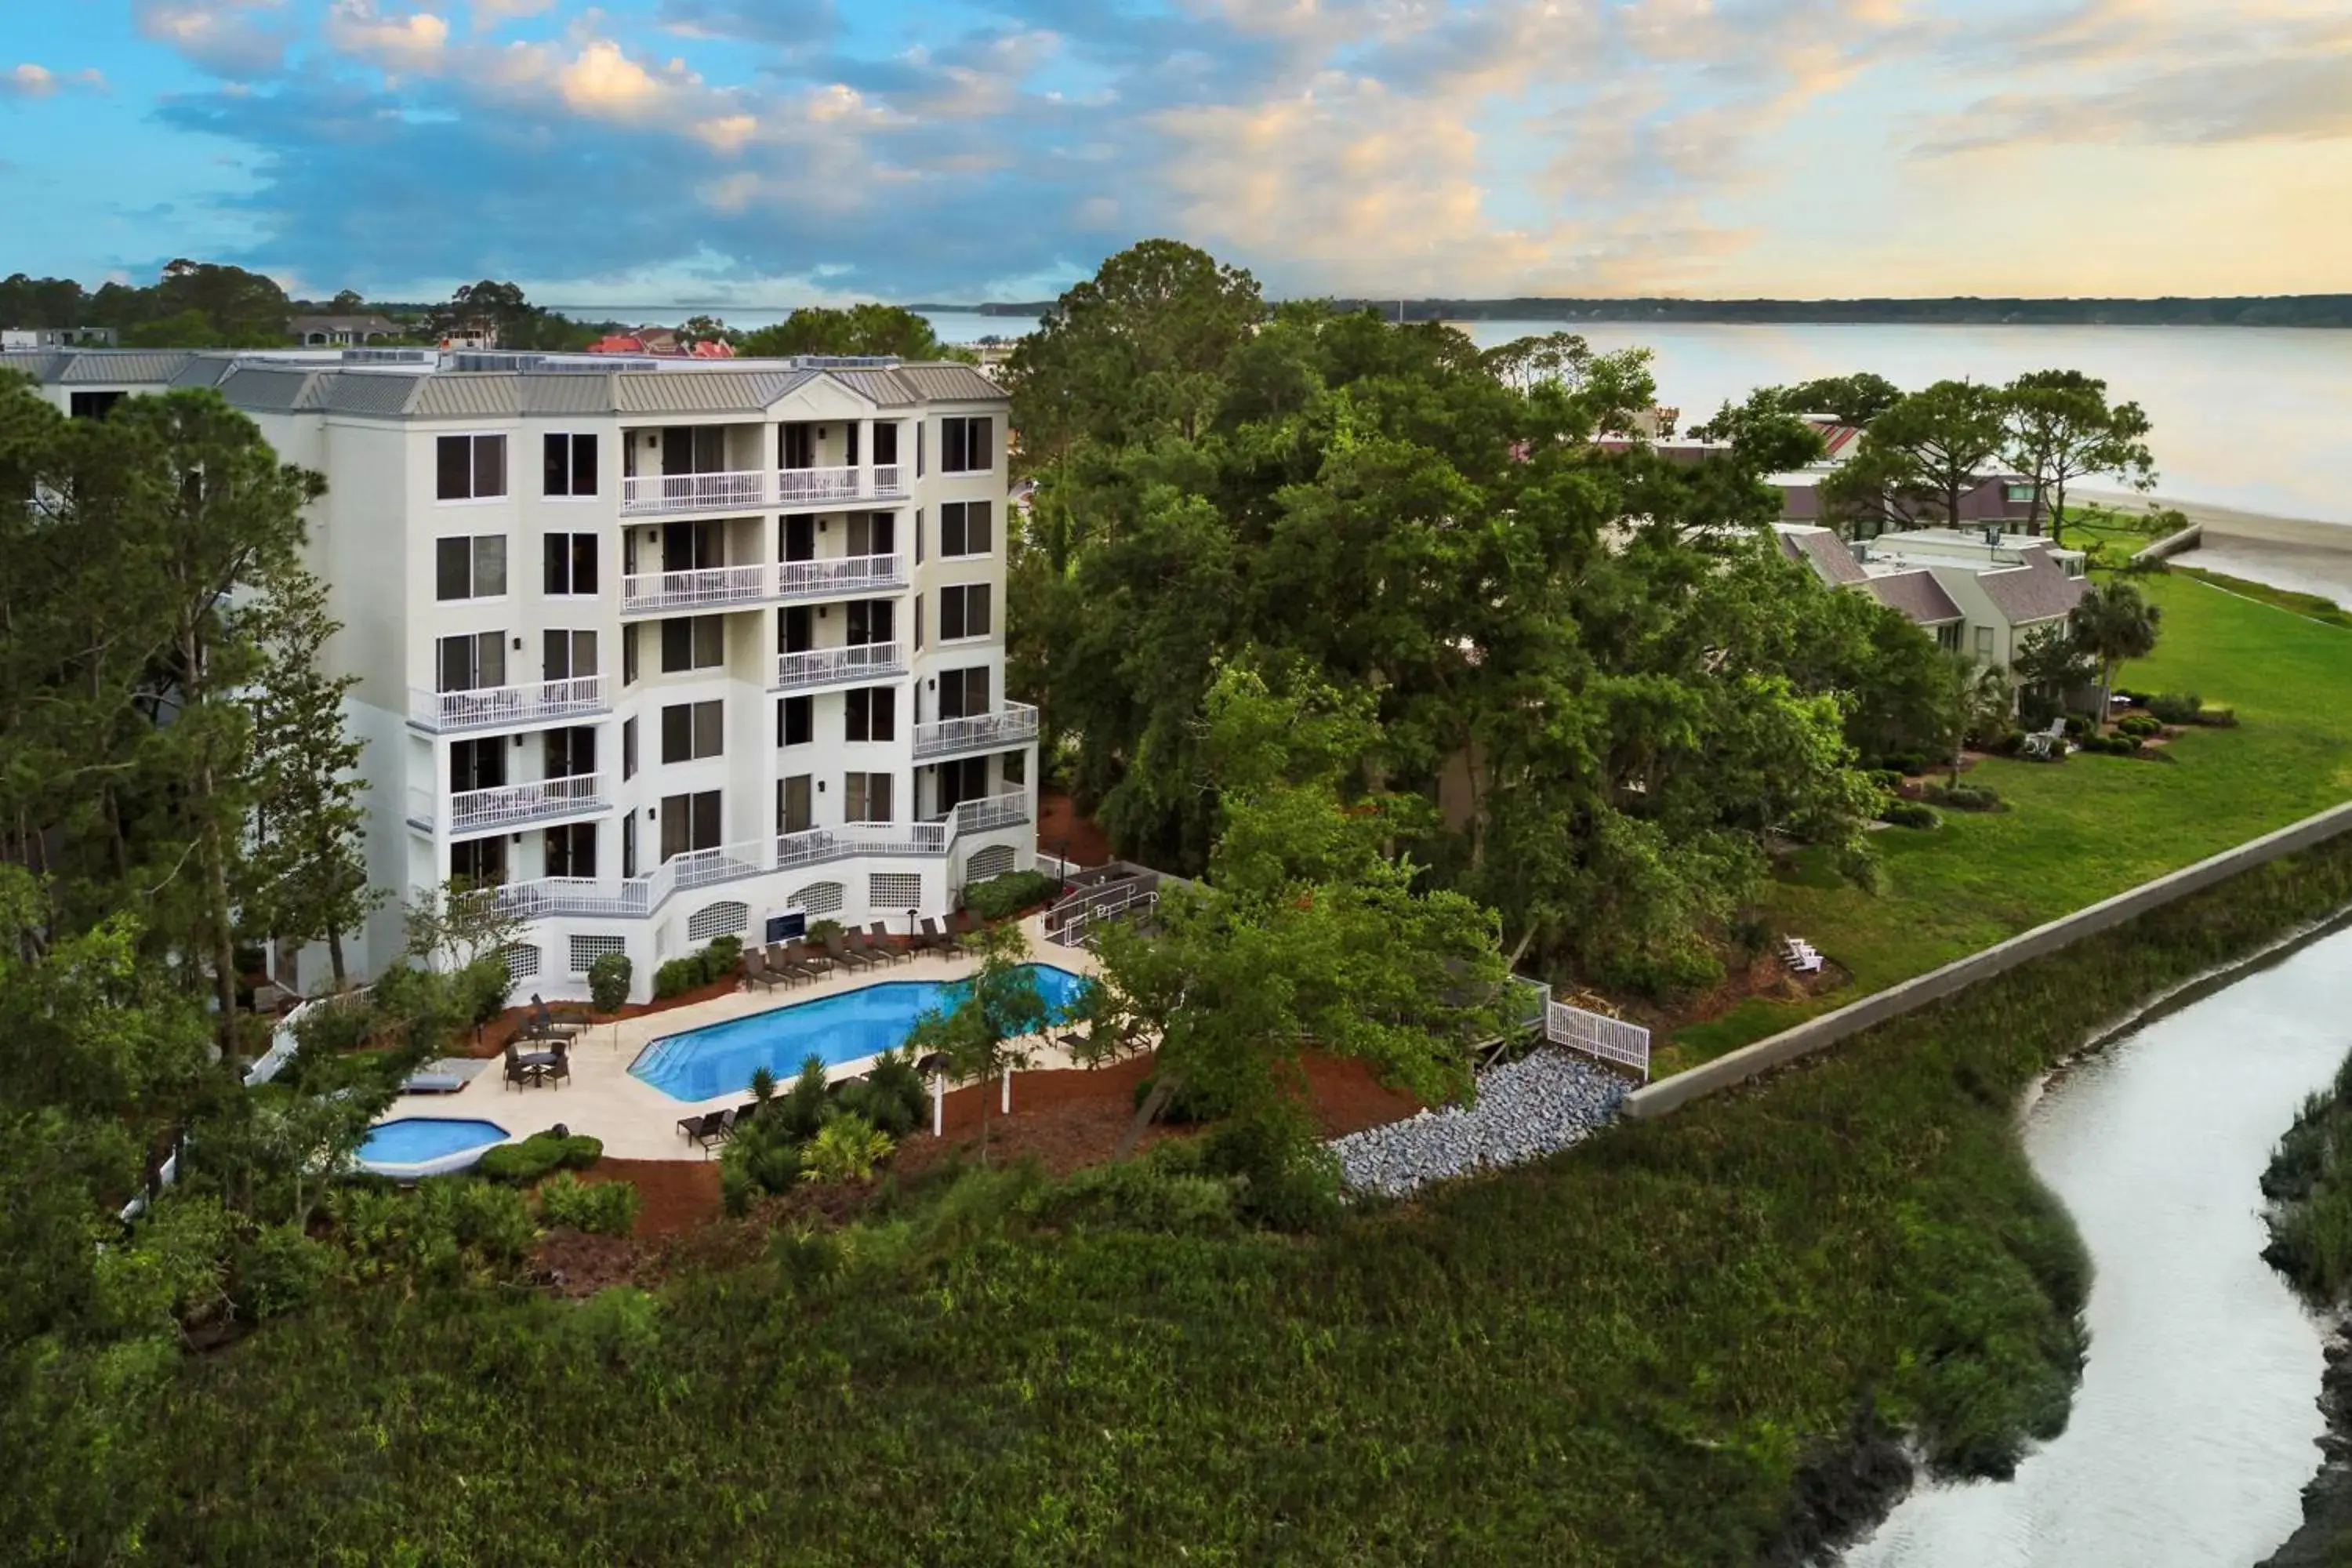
837,666
649,593
508,707
522,805
1016,725
849,574
639,897
817,487
890,481
644,494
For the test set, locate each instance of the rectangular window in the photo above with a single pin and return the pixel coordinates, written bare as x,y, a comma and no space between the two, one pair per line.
629,655
873,713
1984,642
471,566
871,621
795,813
918,449
892,891
849,443
872,533
94,404
472,663
918,536
795,446
866,797
570,563
570,468
886,444
966,446
966,527
963,693
800,537
1014,767
690,822
471,468
628,847
477,764
964,611
694,642
628,749
569,753
587,950
693,731
567,656
919,623
571,850
480,862
2018,492
795,721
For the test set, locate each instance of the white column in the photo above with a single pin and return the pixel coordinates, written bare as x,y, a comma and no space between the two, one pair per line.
939,1105
866,456
1006,1108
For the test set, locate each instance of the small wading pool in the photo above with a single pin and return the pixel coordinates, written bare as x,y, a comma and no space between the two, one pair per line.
427,1145
703,1064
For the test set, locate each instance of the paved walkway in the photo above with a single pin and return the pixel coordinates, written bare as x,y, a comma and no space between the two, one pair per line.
638,1121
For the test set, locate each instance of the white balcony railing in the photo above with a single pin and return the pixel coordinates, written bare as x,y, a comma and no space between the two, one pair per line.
982,732
889,479
806,486
829,665
638,897
642,493
650,591
497,707
845,575
512,806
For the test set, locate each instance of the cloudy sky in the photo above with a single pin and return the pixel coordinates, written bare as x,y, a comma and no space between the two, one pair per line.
770,152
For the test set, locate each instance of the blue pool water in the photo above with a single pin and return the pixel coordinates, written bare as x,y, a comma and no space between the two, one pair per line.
703,1064
414,1140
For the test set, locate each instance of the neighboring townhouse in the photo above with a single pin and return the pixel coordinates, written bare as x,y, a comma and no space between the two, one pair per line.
1997,496
1980,592
665,650
343,331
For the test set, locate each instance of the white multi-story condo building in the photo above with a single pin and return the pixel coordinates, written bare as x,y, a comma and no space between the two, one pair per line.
665,650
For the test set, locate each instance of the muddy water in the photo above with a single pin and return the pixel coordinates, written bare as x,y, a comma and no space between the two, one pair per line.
2192,1432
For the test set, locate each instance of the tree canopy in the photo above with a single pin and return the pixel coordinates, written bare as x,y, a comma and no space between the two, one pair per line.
1589,657
865,328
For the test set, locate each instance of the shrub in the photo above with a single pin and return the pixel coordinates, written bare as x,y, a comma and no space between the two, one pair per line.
1965,797
2117,745
608,982
448,1227
600,1208
823,930
1154,1193
617,1322
278,1269
1289,1179
1909,813
845,1149
483,988
538,1155
2142,725
335,1026
713,963
2218,717
2175,706
1000,898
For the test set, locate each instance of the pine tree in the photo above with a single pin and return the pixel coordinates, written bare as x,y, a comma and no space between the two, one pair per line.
307,878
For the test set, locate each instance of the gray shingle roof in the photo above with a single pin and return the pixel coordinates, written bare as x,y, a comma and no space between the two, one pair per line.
1822,550
1917,593
2038,590
269,389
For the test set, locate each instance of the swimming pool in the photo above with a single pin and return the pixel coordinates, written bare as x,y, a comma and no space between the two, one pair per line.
703,1064
427,1145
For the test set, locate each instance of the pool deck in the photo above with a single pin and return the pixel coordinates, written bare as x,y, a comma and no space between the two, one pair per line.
638,1121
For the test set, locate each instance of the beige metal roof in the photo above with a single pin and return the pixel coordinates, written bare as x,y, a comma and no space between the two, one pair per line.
268,390
122,367
702,391
383,394
883,389
946,382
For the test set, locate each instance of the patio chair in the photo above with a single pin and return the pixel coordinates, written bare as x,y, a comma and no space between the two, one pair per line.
557,1068
932,938
809,959
758,971
876,942
2045,744
838,951
520,1073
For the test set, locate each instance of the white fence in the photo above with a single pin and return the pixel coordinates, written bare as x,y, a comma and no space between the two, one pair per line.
1609,1039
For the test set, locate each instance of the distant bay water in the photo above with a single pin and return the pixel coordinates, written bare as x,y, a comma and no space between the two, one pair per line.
2255,418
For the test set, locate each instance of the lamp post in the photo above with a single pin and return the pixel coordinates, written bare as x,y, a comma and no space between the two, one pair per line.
911,929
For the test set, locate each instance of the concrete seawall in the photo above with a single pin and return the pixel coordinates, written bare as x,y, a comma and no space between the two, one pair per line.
1670,1094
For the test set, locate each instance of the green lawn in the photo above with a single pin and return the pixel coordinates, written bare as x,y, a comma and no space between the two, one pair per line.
2082,832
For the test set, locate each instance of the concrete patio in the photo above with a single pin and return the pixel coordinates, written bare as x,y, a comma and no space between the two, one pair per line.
638,1121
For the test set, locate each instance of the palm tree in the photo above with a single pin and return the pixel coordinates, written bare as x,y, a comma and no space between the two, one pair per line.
2113,623
1975,696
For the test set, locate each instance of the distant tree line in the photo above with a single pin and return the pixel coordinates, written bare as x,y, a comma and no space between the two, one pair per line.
2242,311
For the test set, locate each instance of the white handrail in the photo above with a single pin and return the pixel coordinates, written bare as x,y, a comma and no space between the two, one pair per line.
1609,1039
819,667
706,586
840,574
489,707
802,487
1016,722
513,805
694,492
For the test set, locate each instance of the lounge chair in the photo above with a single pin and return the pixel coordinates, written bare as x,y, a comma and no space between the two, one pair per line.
839,951
758,971
932,938
777,969
702,1130
875,942
809,960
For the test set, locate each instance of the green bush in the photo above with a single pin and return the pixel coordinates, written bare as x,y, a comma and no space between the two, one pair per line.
2175,706
2218,717
2141,725
718,962
821,931
1964,797
538,1155
1289,1179
2116,745
847,1148
1156,1192
448,1228
618,1323
335,1026
1909,813
1001,897
608,982
484,987
276,1269
600,1208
